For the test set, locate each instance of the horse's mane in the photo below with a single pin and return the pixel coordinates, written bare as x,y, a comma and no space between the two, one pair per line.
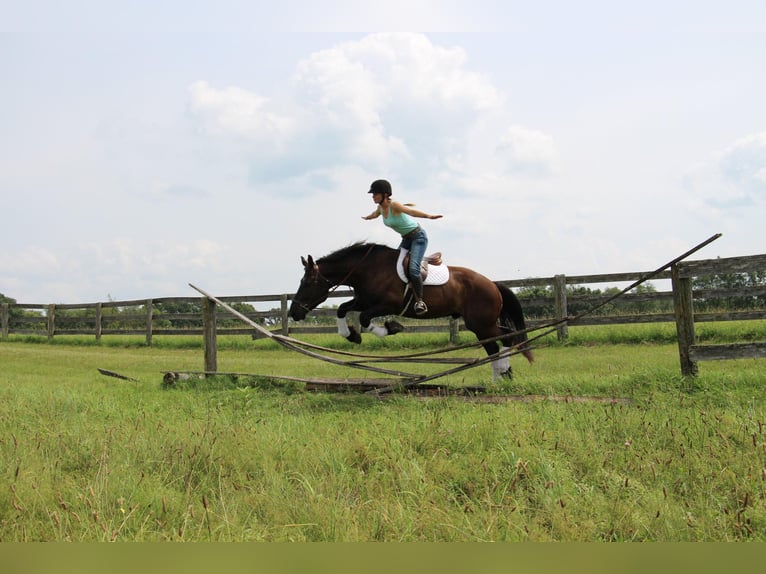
355,250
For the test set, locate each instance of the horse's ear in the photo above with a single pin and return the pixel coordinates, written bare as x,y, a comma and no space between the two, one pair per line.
311,261
303,260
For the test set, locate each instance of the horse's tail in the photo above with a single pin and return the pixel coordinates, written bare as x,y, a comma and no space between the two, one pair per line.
512,319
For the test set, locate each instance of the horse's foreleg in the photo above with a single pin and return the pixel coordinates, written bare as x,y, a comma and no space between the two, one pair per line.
345,330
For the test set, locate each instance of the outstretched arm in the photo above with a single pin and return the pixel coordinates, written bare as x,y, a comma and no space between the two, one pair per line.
409,210
373,215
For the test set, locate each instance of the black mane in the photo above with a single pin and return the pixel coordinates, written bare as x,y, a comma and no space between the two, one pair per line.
354,251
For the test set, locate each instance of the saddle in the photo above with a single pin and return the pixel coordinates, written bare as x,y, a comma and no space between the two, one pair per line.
432,269
433,259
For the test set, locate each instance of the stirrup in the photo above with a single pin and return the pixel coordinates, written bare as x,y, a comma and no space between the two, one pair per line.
420,308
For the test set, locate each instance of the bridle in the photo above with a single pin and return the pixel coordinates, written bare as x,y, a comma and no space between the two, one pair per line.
331,286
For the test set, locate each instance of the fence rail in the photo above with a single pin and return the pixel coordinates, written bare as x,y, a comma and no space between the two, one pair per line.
145,316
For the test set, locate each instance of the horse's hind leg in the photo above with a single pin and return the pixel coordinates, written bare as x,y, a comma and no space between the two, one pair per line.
501,367
389,327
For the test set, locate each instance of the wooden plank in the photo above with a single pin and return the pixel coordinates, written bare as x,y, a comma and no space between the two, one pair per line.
312,383
722,266
468,393
731,316
729,351
625,277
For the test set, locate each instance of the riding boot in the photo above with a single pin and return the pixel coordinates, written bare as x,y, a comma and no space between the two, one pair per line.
417,289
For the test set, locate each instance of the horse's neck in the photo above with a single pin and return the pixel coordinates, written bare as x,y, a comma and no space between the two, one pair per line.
337,274
359,271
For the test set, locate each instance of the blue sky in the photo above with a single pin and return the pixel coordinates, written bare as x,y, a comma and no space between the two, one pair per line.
147,145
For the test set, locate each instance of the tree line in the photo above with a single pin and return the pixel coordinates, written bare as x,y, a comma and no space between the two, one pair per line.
180,315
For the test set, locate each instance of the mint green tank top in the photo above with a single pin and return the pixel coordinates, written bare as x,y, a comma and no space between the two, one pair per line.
401,223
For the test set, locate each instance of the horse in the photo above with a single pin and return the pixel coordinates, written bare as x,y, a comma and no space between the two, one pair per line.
490,310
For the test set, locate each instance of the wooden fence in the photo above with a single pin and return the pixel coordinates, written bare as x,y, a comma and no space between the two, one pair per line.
141,317
682,274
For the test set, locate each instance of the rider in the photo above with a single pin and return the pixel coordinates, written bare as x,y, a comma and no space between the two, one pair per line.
399,217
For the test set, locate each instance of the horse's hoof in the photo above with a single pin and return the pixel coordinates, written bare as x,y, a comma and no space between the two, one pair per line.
393,327
354,336
504,376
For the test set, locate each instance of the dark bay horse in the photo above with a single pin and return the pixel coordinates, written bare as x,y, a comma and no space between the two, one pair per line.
488,309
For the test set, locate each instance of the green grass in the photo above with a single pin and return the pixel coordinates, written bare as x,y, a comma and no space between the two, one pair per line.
85,457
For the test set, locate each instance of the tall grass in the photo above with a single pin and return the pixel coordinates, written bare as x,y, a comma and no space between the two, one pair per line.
85,457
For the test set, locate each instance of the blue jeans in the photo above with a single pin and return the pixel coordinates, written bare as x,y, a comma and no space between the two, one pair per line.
417,243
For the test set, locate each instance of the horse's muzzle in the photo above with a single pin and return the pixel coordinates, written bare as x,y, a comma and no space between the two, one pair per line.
297,312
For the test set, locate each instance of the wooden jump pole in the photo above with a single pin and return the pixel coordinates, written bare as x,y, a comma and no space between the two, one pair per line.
297,345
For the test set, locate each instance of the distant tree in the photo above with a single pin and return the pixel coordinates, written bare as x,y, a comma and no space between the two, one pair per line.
14,314
648,306
730,281
180,308
75,319
582,299
232,322
536,301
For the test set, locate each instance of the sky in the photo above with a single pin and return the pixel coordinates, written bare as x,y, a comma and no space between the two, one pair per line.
148,145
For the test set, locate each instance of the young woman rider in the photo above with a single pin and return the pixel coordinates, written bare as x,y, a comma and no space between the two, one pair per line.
399,217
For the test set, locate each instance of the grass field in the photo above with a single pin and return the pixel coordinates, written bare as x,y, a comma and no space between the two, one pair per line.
84,457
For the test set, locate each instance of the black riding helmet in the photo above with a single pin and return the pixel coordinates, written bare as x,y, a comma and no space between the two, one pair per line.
380,186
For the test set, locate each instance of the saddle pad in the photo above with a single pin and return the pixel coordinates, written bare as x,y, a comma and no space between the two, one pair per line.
437,274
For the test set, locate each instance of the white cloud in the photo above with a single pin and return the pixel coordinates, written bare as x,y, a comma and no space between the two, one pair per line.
382,68
138,257
31,260
235,111
731,179
527,151
744,164
394,104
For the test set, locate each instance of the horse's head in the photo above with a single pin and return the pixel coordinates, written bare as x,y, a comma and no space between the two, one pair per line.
311,292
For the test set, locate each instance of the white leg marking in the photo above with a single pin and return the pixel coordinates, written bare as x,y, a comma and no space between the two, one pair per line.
500,366
343,330
378,331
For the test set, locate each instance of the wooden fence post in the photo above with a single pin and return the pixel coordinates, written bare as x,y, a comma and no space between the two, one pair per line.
5,320
683,302
210,342
454,330
560,299
99,315
149,311
51,320
285,316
